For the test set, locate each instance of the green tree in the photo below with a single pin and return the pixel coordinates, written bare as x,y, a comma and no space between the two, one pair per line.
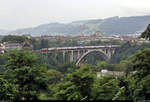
3,61
142,91
141,63
120,95
77,85
124,91
30,81
7,90
14,39
146,33
67,91
124,66
107,88
140,85
83,79
101,65
28,77
65,68
44,43
36,43
22,58
53,76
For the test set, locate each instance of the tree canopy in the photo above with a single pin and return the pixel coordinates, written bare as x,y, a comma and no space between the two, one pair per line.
146,33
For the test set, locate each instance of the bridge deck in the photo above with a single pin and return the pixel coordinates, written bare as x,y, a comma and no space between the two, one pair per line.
82,47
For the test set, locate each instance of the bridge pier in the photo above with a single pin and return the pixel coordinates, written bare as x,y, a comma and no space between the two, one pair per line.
64,52
78,55
71,56
109,54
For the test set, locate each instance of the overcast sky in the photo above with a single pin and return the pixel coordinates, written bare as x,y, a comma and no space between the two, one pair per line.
29,13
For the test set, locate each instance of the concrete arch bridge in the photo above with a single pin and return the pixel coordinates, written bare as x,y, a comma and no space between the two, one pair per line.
79,52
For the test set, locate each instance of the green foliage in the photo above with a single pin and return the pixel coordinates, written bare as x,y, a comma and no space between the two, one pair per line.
32,43
24,78
94,43
139,85
47,60
125,88
14,39
7,90
22,58
44,43
70,43
53,76
28,80
107,88
101,65
99,42
64,68
142,91
77,86
83,79
126,51
124,66
120,95
36,43
67,91
3,61
146,33
25,74
141,64
141,60
93,57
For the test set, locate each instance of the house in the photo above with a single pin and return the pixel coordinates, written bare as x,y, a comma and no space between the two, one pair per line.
106,72
130,38
10,46
28,36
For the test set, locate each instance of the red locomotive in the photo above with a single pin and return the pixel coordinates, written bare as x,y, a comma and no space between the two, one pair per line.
44,49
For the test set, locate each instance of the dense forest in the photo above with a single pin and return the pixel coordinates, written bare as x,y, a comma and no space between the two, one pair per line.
24,77
27,75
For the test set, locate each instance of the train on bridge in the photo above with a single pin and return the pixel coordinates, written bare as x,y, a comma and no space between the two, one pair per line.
79,47
77,53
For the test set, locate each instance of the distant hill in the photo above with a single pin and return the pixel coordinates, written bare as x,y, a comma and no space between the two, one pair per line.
108,26
2,32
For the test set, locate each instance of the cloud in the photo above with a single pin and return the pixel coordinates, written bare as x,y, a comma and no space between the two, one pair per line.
26,13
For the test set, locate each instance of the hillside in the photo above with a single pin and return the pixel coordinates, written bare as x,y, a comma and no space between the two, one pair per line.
108,26
2,32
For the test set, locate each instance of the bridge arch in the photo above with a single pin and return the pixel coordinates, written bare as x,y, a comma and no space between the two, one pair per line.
90,51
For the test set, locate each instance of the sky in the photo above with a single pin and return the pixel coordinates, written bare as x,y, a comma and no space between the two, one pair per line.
16,14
